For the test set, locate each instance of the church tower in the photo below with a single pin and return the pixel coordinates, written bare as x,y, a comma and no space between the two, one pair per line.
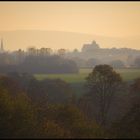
1,47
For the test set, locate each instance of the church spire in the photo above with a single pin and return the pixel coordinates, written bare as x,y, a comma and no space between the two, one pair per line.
1,47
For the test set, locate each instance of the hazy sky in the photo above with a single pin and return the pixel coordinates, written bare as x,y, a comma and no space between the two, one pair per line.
115,19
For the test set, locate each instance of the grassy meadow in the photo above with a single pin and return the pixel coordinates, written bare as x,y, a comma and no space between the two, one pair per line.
77,81
127,75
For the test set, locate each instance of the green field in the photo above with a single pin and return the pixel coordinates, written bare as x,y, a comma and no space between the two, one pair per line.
77,81
127,75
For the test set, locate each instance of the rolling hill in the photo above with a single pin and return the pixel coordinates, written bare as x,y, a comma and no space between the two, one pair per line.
58,39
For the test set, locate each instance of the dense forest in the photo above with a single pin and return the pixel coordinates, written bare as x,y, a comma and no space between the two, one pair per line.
49,108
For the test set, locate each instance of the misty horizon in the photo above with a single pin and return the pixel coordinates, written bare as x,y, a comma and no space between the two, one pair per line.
61,39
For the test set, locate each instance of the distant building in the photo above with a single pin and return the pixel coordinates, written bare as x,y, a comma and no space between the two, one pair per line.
90,47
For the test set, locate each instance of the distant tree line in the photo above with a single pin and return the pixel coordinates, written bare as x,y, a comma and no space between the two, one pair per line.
45,60
42,64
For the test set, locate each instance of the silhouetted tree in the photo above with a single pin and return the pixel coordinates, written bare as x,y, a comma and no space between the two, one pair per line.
103,83
128,126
